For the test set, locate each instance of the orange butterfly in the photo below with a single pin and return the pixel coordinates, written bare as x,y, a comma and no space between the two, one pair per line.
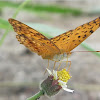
50,48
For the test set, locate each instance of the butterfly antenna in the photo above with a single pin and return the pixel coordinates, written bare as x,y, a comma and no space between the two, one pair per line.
47,67
84,51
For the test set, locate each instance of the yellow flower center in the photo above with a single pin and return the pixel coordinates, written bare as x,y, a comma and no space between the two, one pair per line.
63,75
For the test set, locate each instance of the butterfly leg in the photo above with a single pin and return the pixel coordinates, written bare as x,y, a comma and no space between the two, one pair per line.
66,62
68,55
66,65
47,67
54,65
59,66
69,65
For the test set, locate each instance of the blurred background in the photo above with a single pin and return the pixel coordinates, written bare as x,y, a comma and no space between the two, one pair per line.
21,71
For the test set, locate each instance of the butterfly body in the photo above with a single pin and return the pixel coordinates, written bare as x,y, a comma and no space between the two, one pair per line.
60,57
57,47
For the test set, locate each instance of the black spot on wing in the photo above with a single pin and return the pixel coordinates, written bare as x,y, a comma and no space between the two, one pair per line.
73,40
84,36
79,36
63,38
91,31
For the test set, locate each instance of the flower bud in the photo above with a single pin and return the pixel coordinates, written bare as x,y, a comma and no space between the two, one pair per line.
50,86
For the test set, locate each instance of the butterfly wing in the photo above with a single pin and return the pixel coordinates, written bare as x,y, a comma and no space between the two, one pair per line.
34,40
61,41
71,39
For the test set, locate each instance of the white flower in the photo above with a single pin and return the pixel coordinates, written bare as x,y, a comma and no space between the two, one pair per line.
61,83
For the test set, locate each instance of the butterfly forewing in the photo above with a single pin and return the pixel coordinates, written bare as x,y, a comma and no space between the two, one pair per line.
71,39
34,40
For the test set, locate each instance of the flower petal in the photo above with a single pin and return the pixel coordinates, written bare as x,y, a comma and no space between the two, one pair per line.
62,83
69,90
49,71
55,74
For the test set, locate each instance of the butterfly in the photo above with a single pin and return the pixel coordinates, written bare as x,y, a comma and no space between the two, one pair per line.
54,47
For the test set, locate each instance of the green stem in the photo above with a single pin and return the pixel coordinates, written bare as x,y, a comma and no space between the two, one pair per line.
14,16
4,35
20,7
36,96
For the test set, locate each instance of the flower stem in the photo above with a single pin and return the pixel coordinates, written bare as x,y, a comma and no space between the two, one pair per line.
36,96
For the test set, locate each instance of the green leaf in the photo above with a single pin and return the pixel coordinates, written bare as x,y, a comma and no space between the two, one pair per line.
43,8
3,24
